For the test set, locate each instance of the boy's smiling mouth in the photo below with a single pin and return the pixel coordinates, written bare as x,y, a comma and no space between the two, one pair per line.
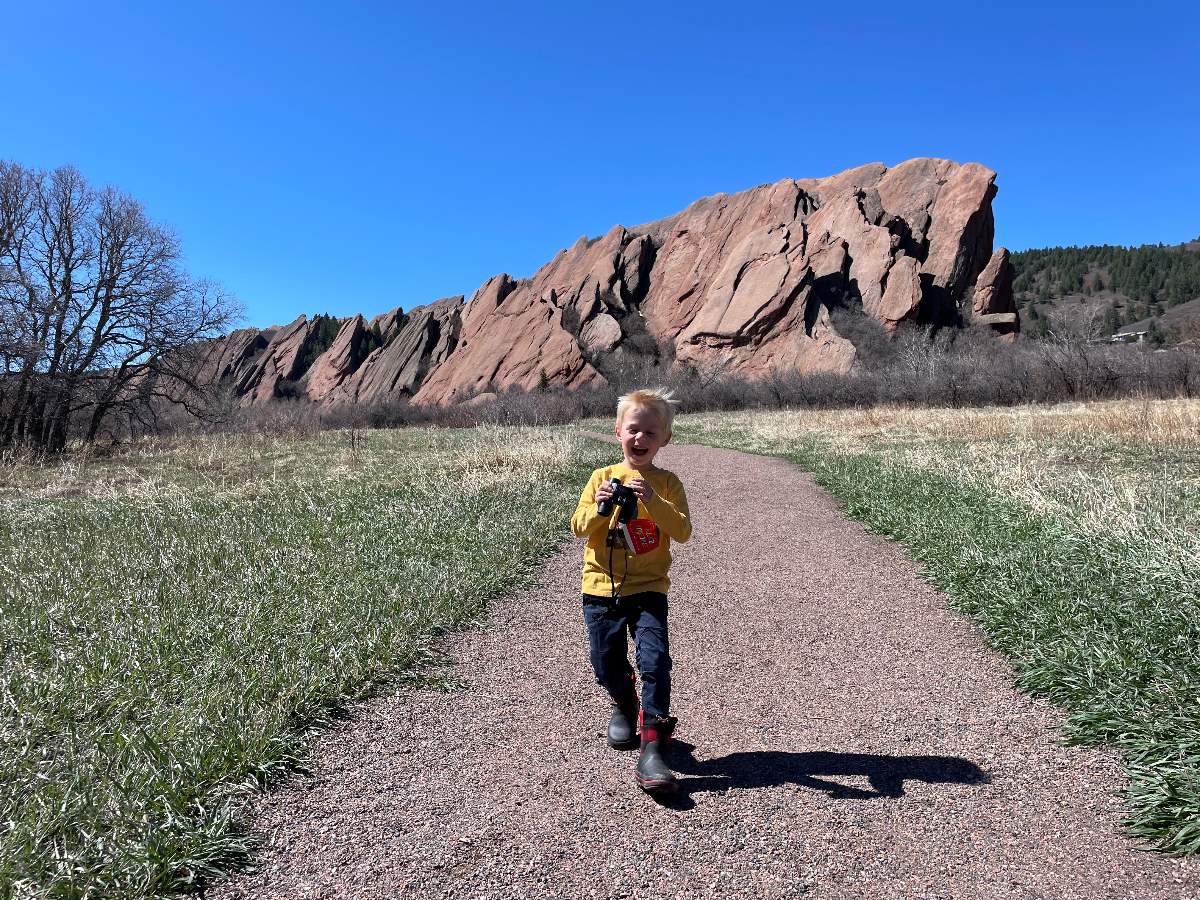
641,436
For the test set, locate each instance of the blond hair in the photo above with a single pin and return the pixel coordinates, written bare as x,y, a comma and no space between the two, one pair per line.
658,399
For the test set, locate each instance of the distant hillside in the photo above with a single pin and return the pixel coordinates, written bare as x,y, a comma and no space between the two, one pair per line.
1103,290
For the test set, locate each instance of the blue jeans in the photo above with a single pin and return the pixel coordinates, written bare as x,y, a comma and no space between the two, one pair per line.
644,616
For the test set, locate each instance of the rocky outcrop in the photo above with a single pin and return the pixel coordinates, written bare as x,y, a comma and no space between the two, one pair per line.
339,362
509,337
745,283
993,304
414,343
221,360
259,380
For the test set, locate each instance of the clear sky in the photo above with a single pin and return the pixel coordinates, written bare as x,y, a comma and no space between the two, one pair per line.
357,156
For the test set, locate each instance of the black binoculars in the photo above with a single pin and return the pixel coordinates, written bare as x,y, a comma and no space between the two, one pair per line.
623,497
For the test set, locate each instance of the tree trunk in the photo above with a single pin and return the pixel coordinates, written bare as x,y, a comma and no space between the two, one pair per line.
98,413
35,416
56,434
12,422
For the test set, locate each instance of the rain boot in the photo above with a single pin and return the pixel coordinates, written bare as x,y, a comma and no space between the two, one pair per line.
622,733
653,773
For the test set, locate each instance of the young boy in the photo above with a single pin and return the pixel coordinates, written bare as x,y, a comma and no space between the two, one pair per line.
625,579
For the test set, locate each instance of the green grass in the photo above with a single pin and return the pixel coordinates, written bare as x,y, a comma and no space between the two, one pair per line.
172,629
1089,588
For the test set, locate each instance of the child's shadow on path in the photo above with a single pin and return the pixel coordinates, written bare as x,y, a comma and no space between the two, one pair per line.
768,768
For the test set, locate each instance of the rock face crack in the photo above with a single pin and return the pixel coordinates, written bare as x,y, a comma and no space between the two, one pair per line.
829,290
805,204
904,240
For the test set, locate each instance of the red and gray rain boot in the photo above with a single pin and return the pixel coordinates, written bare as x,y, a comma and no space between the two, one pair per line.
622,733
653,773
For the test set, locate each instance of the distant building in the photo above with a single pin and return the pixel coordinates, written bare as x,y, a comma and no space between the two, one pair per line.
1129,337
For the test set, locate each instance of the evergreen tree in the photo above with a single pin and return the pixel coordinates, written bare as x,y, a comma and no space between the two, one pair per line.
1112,319
1153,273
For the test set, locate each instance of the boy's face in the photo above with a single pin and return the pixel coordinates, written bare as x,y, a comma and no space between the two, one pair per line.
642,435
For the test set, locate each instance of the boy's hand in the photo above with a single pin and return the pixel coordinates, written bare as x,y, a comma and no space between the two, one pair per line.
642,488
604,491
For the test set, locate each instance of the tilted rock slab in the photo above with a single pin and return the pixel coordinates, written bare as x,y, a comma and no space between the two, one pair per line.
339,362
993,303
746,283
226,357
416,342
258,380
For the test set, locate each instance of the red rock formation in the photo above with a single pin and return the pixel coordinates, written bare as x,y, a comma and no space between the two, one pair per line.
221,360
259,380
510,337
744,282
389,323
416,342
993,304
337,363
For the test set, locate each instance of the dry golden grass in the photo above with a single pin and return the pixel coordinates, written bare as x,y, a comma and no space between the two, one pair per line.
248,465
1165,423
1129,467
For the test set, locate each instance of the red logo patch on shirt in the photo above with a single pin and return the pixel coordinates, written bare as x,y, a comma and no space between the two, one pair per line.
640,535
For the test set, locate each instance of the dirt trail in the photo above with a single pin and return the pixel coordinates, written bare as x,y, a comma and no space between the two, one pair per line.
842,734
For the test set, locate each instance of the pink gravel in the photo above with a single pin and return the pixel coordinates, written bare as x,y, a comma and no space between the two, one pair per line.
842,734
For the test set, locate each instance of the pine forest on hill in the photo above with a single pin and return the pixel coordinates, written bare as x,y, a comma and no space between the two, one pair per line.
1103,290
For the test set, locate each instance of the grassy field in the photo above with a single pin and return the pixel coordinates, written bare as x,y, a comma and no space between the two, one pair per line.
1070,533
175,617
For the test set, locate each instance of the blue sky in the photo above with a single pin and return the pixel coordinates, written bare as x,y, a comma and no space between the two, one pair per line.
354,157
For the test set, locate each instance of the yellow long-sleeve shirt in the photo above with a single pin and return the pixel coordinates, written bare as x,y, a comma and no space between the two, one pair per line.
647,571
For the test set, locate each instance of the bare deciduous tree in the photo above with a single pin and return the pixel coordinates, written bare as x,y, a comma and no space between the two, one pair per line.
98,319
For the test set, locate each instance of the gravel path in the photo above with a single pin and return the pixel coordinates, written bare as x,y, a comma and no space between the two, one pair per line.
842,734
